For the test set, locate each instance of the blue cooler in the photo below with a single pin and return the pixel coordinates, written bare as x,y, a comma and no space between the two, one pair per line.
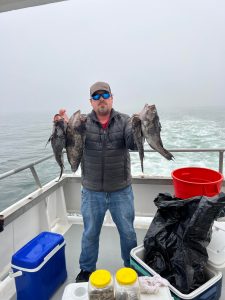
39,267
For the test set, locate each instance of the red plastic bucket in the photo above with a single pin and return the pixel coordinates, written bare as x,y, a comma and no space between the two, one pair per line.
195,181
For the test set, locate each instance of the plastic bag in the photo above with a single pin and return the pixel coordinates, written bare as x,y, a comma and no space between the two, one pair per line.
151,285
176,241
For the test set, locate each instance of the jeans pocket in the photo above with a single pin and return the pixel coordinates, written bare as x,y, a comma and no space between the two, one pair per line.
126,191
84,195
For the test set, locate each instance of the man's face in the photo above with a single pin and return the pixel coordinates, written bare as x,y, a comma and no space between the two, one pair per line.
102,106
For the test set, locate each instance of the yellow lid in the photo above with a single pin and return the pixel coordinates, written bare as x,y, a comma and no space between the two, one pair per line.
126,276
100,278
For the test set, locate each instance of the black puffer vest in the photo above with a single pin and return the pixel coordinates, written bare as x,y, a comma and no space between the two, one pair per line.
106,160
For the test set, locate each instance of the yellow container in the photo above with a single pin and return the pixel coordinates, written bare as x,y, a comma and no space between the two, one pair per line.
127,285
100,286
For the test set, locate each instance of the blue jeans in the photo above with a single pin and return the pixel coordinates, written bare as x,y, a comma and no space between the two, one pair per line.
93,208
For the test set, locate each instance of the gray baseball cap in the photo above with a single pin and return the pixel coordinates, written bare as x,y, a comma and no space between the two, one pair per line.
99,86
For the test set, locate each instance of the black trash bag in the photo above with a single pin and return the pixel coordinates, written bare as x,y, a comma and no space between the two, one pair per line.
176,241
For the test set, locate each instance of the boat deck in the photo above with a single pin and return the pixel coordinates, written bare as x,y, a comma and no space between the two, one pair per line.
109,252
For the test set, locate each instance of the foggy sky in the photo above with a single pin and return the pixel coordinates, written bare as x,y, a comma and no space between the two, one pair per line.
170,53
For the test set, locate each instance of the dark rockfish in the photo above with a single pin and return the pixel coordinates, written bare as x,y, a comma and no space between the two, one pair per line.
138,137
151,128
58,140
75,139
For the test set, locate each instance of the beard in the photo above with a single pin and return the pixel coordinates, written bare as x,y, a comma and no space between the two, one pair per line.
103,110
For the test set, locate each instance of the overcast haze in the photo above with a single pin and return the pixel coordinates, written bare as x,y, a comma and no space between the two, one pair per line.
162,52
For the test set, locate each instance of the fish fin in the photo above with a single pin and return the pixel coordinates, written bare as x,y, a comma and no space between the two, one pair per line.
160,126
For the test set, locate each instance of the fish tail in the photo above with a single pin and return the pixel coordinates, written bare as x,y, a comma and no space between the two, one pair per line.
141,156
168,155
48,141
61,172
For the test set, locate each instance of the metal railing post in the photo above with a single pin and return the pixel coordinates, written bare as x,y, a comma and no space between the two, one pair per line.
221,161
36,178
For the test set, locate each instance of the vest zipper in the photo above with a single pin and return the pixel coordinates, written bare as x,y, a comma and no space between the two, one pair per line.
103,156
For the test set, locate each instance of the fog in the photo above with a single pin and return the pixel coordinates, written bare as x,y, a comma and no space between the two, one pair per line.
171,53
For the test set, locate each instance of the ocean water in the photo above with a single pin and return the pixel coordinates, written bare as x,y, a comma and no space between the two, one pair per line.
23,139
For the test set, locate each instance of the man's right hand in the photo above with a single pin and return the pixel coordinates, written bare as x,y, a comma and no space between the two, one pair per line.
62,113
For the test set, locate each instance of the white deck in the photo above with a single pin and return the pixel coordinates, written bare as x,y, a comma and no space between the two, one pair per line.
109,253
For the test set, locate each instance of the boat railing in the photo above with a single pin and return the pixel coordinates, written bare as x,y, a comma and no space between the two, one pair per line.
32,165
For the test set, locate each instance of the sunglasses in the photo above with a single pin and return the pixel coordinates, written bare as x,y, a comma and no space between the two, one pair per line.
105,95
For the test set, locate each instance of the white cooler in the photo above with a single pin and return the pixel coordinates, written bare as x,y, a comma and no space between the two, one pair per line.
211,290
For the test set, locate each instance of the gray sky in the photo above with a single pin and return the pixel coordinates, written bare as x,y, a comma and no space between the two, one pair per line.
164,52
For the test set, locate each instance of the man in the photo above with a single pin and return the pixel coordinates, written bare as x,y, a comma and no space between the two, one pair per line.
106,178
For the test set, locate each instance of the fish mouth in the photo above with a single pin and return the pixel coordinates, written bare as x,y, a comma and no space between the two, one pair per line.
152,107
57,117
